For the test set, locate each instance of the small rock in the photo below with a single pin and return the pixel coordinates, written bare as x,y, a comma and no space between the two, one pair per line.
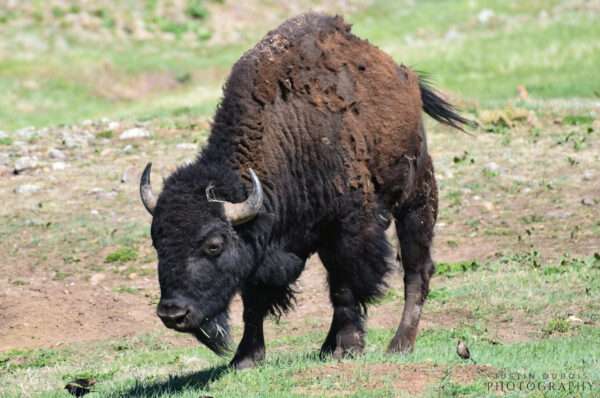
113,125
27,133
489,206
124,177
133,275
97,278
485,16
3,134
452,35
5,170
58,166
134,133
186,145
587,201
25,163
57,154
493,167
4,158
128,148
77,140
87,122
588,175
573,320
27,189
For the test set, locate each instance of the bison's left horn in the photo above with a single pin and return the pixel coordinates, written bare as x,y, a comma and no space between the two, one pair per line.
148,198
239,213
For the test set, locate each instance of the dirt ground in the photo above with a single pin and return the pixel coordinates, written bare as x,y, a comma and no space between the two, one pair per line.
56,289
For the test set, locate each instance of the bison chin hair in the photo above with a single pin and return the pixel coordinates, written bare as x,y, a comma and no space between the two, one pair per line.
214,333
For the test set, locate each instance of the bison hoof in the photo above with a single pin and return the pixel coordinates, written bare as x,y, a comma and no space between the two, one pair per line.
247,361
244,363
346,345
400,346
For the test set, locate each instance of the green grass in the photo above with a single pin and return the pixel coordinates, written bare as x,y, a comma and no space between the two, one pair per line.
146,367
122,255
154,366
486,62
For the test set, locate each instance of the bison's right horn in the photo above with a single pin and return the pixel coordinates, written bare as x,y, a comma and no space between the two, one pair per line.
239,213
148,198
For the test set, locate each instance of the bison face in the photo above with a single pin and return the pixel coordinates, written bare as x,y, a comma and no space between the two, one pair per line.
201,259
200,267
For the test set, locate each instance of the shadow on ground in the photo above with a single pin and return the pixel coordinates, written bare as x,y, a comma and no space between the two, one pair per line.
197,380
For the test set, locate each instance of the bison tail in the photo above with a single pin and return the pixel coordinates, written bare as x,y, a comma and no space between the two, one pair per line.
440,109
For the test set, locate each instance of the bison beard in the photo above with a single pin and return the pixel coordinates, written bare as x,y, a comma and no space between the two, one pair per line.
317,145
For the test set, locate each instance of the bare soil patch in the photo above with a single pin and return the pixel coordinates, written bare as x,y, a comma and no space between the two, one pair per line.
408,379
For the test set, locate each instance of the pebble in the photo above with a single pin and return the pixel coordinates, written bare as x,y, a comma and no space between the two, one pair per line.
76,140
27,189
5,170
56,154
588,175
128,148
492,166
27,133
58,166
485,15
587,201
4,158
25,163
452,35
97,278
3,134
113,125
136,132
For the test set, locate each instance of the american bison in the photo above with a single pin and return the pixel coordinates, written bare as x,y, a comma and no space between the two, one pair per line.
317,143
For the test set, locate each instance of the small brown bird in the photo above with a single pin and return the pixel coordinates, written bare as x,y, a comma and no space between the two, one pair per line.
80,387
463,351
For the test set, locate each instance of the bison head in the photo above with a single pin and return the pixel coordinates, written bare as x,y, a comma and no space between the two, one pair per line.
201,258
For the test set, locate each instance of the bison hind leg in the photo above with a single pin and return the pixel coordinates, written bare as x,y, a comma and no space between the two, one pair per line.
356,255
414,226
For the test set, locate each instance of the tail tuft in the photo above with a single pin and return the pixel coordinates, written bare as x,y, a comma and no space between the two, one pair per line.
440,109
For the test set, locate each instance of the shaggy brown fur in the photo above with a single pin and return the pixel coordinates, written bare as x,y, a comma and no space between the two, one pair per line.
333,128
312,86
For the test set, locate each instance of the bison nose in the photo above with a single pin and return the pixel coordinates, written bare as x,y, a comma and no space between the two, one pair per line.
173,313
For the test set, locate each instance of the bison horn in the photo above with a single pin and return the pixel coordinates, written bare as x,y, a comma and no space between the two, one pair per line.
239,213
148,198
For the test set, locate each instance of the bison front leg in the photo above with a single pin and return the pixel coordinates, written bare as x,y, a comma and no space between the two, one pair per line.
251,349
414,226
259,300
346,334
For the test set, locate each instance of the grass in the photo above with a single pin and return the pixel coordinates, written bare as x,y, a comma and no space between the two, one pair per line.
485,62
156,366
122,255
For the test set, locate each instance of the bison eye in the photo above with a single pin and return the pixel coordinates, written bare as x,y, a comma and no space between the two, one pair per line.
213,246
